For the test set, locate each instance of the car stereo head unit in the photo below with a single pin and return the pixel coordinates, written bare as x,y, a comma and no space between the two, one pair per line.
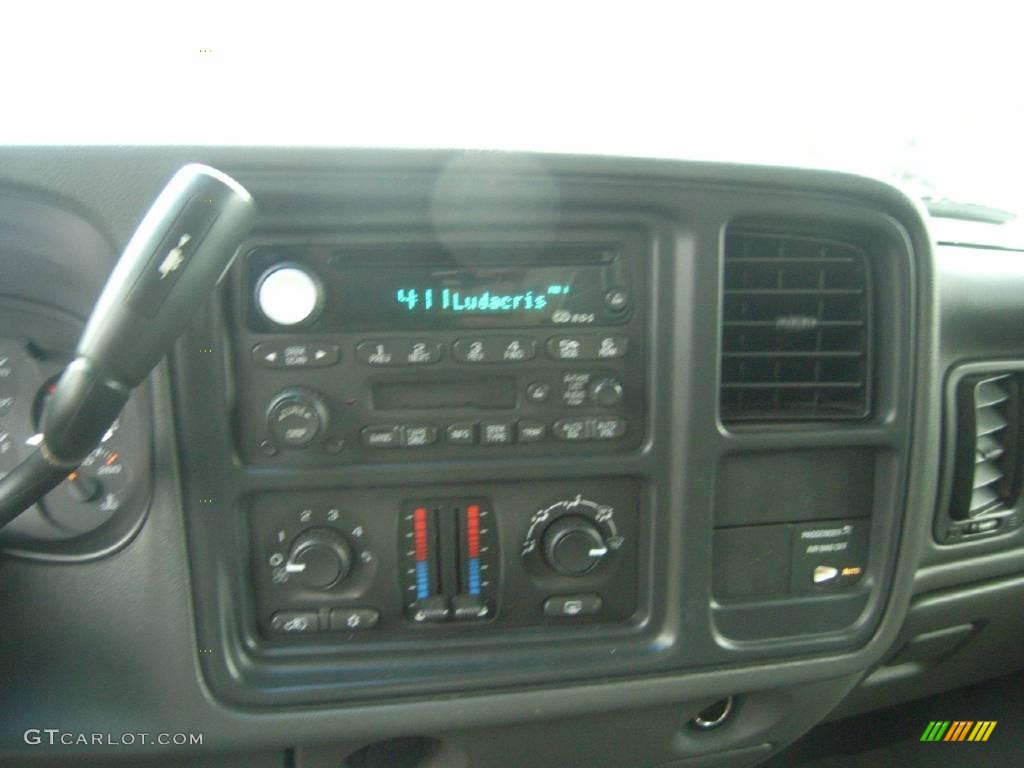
400,287
377,352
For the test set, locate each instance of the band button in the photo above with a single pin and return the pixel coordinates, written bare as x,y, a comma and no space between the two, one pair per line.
382,436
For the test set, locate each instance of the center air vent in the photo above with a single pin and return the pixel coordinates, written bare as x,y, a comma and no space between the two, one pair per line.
795,329
986,478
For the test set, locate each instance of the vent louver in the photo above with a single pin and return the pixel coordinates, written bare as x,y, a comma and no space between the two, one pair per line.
795,329
986,478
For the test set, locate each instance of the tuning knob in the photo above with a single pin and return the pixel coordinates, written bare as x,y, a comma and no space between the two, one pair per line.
605,392
573,545
289,295
320,558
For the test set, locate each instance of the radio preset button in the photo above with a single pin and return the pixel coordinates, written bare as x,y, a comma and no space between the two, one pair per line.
393,352
416,435
538,392
517,350
532,431
496,433
382,436
462,433
377,353
421,352
610,347
566,348
587,347
494,350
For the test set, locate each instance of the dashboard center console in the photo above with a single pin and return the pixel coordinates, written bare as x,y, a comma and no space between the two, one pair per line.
508,451
375,352
441,441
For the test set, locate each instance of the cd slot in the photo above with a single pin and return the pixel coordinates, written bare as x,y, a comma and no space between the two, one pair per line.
494,392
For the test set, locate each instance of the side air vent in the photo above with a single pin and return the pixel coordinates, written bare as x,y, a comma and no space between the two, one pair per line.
796,329
986,479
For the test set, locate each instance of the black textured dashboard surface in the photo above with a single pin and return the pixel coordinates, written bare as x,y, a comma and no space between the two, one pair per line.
115,645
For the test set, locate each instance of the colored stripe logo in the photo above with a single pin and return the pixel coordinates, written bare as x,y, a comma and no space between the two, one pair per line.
958,730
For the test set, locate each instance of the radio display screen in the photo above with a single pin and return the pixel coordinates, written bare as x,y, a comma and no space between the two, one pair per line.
480,290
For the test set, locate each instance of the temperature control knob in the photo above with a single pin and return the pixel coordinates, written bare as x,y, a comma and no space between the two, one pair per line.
296,416
573,545
320,558
289,295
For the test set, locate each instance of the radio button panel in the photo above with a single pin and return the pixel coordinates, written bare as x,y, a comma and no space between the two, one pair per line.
399,361
495,349
279,354
396,352
587,347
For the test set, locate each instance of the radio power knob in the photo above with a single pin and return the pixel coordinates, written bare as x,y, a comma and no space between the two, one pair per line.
573,545
320,558
290,295
296,417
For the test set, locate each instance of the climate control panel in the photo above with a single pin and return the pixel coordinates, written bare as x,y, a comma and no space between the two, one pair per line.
361,564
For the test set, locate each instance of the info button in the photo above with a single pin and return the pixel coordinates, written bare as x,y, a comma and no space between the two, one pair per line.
462,433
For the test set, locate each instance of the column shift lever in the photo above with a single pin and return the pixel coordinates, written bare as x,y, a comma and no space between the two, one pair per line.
182,248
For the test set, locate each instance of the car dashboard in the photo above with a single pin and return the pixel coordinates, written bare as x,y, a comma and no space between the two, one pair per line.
473,455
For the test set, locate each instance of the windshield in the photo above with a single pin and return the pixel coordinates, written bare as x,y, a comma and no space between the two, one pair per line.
906,92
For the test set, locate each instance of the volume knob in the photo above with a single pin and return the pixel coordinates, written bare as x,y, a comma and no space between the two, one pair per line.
296,416
290,295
